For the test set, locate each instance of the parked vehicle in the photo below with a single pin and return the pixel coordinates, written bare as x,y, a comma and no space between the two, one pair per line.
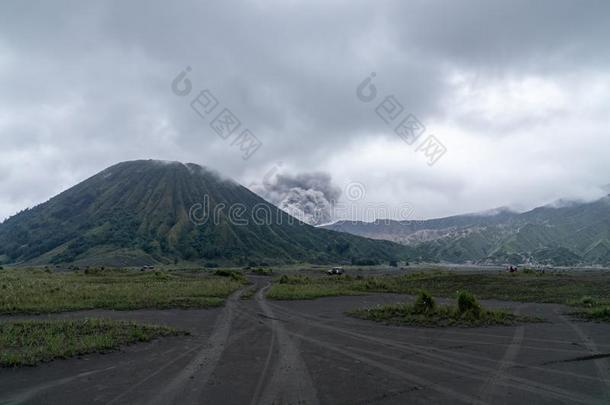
335,271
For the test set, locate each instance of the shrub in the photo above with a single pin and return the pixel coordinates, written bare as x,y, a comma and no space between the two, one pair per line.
375,284
296,279
1,268
234,275
601,313
161,275
393,263
588,301
467,303
262,271
424,302
96,272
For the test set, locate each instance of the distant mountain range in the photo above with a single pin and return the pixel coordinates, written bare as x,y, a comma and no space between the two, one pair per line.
563,234
146,212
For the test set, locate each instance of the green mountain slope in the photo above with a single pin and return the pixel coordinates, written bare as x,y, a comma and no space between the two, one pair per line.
570,234
146,211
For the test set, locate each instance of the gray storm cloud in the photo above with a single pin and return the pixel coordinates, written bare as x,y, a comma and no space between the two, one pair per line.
309,197
87,84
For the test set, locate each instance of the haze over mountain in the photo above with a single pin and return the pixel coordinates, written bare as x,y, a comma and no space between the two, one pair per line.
564,233
142,212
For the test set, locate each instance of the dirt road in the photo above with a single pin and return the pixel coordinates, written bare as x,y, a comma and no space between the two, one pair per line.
307,352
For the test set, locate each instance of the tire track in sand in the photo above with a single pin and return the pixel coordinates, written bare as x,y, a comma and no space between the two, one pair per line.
186,387
290,382
509,381
601,365
491,385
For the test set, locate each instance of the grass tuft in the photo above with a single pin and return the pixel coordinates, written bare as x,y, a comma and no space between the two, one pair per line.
468,304
424,302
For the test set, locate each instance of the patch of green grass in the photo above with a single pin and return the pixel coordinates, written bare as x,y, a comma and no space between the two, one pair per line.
592,309
528,271
299,287
590,302
34,291
31,342
597,314
232,274
249,293
261,271
424,312
307,292
563,288
587,301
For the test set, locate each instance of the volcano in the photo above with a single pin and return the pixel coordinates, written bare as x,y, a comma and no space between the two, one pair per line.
148,211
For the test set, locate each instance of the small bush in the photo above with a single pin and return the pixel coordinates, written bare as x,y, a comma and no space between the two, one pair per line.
95,271
212,265
468,304
588,301
375,284
393,263
234,275
262,271
161,275
424,302
601,313
295,280
528,271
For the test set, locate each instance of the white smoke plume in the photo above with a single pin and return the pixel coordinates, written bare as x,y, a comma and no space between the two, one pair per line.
309,197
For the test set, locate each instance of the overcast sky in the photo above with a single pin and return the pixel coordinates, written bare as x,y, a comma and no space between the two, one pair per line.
518,92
